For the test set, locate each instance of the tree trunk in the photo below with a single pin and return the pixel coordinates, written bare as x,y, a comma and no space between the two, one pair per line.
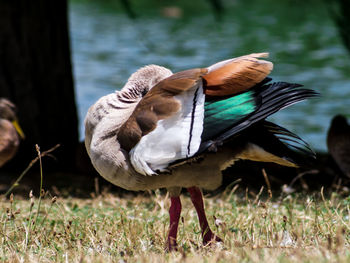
36,74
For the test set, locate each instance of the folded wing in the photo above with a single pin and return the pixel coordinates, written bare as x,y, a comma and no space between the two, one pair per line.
167,123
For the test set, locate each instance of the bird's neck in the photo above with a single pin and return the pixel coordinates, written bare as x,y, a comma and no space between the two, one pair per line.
143,80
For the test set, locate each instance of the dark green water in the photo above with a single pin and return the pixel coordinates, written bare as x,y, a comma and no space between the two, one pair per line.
302,41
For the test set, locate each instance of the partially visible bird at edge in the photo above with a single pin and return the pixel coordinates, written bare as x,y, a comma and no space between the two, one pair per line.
338,143
181,130
10,131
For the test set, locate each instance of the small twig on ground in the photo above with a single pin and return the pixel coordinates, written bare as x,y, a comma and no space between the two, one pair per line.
46,153
258,195
300,175
41,192
97,187
232,192
267,183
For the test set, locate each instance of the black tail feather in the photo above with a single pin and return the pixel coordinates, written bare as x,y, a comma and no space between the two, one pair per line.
291,140
278,141
270,99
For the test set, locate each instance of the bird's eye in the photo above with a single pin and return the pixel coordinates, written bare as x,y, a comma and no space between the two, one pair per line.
144,92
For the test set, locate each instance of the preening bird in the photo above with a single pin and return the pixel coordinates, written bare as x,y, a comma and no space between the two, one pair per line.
338,142
181,130
10,131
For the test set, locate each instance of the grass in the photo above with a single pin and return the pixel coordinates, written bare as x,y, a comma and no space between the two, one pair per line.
106,228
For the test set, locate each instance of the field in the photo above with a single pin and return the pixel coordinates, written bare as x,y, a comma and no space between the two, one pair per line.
107,228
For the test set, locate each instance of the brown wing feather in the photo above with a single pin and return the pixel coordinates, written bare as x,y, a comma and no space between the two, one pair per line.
159,103
236,75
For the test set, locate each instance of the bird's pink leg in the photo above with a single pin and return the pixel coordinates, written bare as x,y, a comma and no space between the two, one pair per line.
174,212
197,200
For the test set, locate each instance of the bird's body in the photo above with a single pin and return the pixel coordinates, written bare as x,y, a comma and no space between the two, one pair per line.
165,130
10,132
338,142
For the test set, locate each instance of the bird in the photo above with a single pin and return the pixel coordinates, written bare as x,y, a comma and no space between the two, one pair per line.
338,143
181,130
10,131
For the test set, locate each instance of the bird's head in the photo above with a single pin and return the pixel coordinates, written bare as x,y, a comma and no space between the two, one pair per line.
8,112
7,109
339,121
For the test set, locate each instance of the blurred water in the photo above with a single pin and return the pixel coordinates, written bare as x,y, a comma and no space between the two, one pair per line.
303,44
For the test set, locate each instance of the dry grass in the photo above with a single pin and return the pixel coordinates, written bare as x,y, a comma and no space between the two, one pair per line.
293,228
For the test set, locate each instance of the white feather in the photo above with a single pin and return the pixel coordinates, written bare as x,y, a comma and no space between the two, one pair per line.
174,138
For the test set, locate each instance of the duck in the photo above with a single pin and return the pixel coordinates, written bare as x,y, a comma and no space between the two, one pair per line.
181,130
10,131
338,143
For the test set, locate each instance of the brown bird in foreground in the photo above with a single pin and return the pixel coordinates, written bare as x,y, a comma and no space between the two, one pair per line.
338,142
165,130
10,131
